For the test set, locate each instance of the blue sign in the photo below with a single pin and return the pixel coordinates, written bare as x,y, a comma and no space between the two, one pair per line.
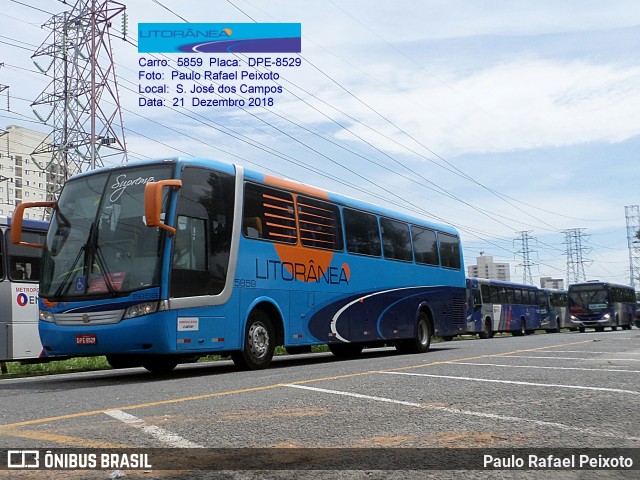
219,37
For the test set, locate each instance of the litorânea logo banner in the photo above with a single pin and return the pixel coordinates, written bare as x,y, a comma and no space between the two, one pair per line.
219,37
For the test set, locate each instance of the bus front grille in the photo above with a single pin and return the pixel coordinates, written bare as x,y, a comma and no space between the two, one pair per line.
88,318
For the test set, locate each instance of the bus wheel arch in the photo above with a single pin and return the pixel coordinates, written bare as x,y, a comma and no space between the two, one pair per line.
262,331
522,330
423,330
487,331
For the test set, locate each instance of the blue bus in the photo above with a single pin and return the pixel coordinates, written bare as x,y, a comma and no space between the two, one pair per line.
495,306
601,304
161,262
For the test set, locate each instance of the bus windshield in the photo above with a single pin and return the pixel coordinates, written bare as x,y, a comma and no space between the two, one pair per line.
589,297
98,243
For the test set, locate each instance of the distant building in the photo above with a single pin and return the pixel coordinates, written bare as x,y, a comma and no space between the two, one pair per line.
486,268
554,283
21,178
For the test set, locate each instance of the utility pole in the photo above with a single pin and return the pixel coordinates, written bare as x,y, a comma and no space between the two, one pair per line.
576,252
633,241
525,254
82,95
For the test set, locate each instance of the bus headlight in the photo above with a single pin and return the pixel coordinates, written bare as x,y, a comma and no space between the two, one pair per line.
46,316
141,309
574,319
606,316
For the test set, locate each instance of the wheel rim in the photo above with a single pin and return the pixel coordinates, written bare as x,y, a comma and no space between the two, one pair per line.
423,332
258,340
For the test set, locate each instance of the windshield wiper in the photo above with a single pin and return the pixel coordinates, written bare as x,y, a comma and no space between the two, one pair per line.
93,247
90,251
65,281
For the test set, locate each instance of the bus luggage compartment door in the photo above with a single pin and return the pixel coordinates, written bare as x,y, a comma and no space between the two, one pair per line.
195,333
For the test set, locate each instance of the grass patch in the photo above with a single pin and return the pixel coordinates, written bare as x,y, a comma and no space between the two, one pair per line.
80,364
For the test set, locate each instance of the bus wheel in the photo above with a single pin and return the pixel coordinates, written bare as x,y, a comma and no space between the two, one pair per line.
422,340
346,350
123,361
447,338
522,331
486,330
614,328
259,343
581,329
160,364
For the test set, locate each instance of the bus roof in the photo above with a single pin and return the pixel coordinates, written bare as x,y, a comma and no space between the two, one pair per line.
501,283
278,182
600,284
26,223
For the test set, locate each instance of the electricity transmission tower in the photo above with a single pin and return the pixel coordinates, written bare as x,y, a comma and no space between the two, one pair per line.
633,241
83,94
576,252
525,254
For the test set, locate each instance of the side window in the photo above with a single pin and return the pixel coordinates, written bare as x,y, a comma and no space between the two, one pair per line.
268,214
425,245
518,300
25,262
362,232
396,241
496,296
202,241
189,251
320,224
449,250
486,296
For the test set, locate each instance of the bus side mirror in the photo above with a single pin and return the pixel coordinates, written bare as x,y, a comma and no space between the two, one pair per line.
16,222
153,203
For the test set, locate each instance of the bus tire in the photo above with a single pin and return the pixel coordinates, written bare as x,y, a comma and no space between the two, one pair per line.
123,361
259,343
346,350
614,328
421,342
581,329
522,331
486,330
447,338
160,364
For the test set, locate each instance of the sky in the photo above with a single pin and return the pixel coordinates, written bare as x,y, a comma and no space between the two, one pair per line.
497,117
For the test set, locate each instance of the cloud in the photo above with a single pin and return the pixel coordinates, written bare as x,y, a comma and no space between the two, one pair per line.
512,106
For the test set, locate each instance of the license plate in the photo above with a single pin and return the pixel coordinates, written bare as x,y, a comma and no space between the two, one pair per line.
86,339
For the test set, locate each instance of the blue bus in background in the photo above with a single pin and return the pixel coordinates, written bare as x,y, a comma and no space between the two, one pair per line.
157,263
495,306
601,304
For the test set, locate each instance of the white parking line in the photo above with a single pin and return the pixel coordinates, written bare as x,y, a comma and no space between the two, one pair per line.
574,358
166,437
589,352
515,382
550,368
493,416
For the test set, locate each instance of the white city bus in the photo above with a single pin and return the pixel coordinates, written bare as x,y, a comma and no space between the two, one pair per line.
20,269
